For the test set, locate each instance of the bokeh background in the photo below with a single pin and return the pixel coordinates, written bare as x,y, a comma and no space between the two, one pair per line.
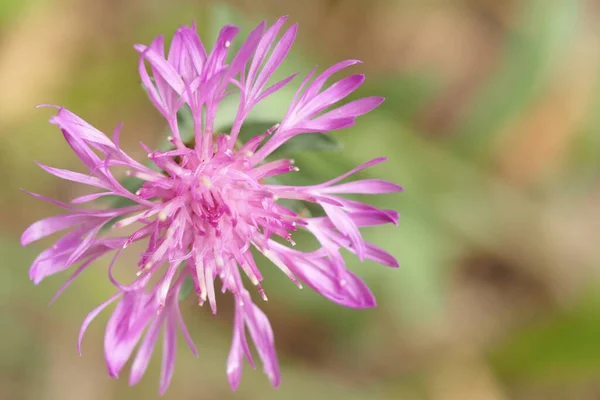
492,124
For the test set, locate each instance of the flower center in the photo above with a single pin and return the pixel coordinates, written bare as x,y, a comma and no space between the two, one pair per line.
209,215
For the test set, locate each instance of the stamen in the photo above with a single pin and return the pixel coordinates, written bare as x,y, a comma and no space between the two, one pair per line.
144,268
162,216
210,286
262,293
201,281
205,180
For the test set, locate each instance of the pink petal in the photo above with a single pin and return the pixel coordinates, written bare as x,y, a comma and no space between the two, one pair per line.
365,186
144,353
332,95
48,226
273,88
345,288
263,48
347,227
90,317
163,68
374,161
217,57
239,347
246,51
184,330
73,176
316,86
90,197
169,353
195,50
355,108
123,331
381,256
279,54
262,335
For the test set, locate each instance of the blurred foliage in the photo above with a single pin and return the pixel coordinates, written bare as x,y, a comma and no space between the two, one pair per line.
496,297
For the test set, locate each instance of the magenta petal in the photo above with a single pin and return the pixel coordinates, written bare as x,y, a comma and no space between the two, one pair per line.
316,86
73,276
184,330
84,245
90,197
53,259
323,125
75,125
48,226
262,335
279,53
374,217
144,353
343,288
169,353
123,331
365,186
74,176
194,50
375,161
357,292
158,102
347,227
216,59
166,70
355,108
90,317
381,256
263,47
273,88
52,201
245,52
239,347
333,94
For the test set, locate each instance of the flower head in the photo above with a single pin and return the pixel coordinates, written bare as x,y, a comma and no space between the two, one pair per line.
209,201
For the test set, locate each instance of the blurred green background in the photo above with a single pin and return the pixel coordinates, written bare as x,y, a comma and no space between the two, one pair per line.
492,124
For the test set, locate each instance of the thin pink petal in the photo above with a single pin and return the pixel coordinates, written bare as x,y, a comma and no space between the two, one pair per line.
365,186
169,353
50,225
90,317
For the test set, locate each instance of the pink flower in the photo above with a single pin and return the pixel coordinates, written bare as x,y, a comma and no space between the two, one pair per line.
209,206
136,312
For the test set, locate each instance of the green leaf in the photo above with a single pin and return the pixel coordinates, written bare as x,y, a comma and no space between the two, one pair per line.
186,288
